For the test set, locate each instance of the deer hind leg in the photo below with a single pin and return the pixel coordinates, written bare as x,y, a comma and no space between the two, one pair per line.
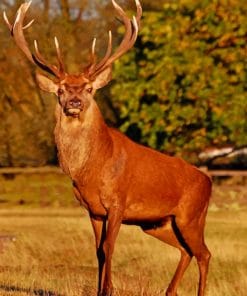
165,232
203,258
193,235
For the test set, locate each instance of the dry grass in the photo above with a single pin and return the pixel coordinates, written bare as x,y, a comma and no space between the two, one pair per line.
53,251
53,254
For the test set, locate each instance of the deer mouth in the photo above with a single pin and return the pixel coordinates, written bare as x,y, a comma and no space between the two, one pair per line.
74,112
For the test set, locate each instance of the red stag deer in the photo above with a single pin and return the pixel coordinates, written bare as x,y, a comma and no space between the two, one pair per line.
115,179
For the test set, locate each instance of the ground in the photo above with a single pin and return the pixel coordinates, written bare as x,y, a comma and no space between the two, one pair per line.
47,245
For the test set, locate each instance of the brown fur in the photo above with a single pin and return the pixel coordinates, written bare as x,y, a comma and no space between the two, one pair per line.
117,180
120,181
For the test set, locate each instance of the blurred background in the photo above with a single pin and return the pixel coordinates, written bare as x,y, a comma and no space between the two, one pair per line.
181,90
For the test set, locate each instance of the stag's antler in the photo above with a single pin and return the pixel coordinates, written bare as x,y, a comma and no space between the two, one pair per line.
131,26
17,32
131,32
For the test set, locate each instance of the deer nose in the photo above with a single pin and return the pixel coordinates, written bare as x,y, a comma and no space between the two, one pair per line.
75,103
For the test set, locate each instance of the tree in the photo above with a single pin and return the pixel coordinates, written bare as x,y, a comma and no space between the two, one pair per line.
27,116
184,87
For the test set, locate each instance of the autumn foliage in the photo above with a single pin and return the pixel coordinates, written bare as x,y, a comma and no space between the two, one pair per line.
182,89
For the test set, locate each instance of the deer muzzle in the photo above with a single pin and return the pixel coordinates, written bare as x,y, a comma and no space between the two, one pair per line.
74,107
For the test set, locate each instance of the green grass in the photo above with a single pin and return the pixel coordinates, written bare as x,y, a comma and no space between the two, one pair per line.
53,251
36,190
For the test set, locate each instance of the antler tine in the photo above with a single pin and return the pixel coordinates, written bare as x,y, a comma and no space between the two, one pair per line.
42,63
93,56
139,12
37,53
127,23
17,32
135,33
108,52
128,38
59,56
38,57
131,31
92,62
7,21
28,25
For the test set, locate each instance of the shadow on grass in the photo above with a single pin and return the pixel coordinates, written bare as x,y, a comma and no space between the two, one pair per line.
38,292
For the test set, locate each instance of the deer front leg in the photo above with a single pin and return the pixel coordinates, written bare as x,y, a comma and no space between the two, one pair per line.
115,215
99,227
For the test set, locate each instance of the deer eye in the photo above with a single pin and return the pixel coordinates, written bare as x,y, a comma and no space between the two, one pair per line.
89,90
60,91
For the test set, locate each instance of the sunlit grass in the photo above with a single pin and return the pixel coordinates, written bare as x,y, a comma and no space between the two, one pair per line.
48,246
54,254
36,190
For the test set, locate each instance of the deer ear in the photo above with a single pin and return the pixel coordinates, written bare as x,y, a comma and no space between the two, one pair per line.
46,83
103,78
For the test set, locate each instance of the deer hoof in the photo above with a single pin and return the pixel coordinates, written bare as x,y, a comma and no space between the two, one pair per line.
170,293
106,292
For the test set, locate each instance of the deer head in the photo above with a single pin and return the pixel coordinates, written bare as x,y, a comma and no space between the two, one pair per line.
75,91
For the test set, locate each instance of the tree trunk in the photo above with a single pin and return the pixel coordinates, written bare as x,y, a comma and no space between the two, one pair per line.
64,4
46,8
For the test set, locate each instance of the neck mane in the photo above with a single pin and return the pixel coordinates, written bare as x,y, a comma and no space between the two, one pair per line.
81,141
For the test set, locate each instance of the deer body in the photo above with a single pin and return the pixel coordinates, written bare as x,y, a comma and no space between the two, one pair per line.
142,186
104,164
115,179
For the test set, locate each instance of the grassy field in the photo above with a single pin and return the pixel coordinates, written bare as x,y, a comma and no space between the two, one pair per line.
47,245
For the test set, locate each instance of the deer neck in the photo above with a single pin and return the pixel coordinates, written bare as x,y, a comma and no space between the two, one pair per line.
81,141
